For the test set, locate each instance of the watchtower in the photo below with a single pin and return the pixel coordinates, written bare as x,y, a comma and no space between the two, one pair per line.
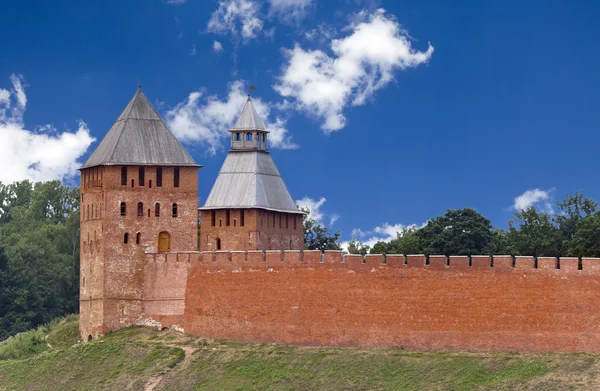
139,191
249,206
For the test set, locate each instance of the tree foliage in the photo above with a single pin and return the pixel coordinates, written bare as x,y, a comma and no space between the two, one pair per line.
39,254
318,237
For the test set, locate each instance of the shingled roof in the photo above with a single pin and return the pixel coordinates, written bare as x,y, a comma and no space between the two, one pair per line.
140,137
248,119
249,179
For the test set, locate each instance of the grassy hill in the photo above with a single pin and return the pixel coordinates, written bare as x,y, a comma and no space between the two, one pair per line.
140,358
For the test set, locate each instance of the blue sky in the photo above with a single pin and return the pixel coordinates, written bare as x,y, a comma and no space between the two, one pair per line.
393,111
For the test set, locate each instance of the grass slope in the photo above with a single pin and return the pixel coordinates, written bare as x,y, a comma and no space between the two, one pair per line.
139,358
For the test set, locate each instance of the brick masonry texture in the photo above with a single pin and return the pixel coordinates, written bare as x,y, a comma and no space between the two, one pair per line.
113,273
309,298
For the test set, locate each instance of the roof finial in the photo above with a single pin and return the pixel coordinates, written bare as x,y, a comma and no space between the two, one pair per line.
251,88
139,85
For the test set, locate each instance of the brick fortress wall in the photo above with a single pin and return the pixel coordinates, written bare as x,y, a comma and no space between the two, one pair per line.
309,298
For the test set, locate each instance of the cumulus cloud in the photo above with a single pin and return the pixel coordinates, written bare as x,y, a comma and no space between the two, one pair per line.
290,11
362,63
536,198
217,47
206,119
236,17
40,155
382,233
316,210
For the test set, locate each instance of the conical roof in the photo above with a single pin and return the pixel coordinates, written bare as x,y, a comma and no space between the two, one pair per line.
140,137
248,119
250,179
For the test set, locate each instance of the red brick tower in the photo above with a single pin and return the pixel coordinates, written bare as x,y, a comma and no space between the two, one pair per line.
249,206
139,191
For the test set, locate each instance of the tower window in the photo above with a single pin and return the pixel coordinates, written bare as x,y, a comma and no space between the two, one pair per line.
174,210
142,178
279,221
138,238
140,211
264,137
238,136
158,176
273,219
150,183
124,176
213,218
220,222
248,136
176,177
241,217
218,243
286,222
126,238
235,222
227,217
123,209
132,182
157,209
295,220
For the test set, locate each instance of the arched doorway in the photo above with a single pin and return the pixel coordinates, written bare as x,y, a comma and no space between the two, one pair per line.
164,242
89,338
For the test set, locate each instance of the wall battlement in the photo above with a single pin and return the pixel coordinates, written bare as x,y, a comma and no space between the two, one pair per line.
303,258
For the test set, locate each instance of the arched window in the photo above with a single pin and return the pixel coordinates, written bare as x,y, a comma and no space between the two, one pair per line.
248,136
138,238
123,209
218,244
264,137
157,209
238,136
164,242
140,209
126,238
174,211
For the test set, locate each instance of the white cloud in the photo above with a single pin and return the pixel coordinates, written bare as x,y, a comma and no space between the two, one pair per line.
206,120
382,233
236,17
217,47
536,198
290,11
316,211
176,1
193,51
39,155
363,62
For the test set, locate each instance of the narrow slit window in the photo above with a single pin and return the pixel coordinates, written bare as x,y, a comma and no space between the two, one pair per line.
158,176
132,183
150,183
126,238
157,209
142,176
138,238
227,217
235,222
286,222
218,244
123,209
273,220
242,217
295,220
174,210
213,218
140,211
176,177
124,176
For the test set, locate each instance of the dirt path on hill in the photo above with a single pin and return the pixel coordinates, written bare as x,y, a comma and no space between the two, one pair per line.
155,381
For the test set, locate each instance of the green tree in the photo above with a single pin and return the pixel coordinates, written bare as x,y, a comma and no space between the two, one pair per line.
355,247
586,240
318,237
533,233
570,211
39,254
457,232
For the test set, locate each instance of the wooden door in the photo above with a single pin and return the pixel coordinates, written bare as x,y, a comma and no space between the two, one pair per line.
164,242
